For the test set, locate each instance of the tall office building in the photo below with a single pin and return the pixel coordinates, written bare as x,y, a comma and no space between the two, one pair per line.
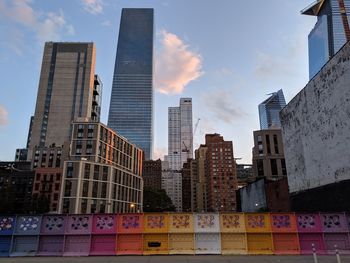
67,90
269,110
330,33
180,134
131,107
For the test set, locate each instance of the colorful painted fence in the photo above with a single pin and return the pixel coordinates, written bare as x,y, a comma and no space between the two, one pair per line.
174,233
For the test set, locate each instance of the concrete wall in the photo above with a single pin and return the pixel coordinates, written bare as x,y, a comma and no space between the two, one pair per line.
253,198
316,127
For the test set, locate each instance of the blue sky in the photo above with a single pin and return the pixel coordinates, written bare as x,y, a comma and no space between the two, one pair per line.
226,55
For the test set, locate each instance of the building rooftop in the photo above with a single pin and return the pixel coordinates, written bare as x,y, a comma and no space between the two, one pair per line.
313,9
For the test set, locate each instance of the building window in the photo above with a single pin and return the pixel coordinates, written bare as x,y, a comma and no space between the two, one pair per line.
268,144
274,167
283,164
275,142
69,170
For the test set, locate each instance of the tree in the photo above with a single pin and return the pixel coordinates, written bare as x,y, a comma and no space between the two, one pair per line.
156,200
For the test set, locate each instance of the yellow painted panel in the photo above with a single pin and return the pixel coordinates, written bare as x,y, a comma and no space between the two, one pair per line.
259,243
257,222
233,243
181,243
155,244
155,223
232,223
181,223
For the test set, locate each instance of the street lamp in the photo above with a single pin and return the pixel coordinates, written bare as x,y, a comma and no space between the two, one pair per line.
132,206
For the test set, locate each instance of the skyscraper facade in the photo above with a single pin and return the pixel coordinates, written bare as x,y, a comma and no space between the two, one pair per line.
131,107
66,91
330,33
269,110
180,134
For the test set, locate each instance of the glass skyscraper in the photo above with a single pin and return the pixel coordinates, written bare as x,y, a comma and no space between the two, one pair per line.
330,32
131,107
269,111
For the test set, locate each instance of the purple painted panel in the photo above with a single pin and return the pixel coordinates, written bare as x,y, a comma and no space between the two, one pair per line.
103,245
7,225
309,223
28,225
79,224
104,224
348,218
77,245
334,222
53,224
306,240
341,240
51,245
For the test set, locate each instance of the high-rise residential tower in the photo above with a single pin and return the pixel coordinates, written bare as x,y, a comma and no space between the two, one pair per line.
131,107
269,110
67,90
180,134
330,33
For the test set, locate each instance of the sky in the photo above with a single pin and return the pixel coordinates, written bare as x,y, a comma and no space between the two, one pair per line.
224,54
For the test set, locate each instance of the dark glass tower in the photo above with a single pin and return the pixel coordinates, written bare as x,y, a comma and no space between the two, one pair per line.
269,111
131,107
330,33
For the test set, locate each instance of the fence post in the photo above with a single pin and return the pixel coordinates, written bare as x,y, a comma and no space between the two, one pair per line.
337,254
314,253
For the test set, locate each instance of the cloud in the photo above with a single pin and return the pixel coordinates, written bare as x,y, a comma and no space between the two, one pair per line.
268,65
46,26
175,65
3,116
222,105
159,152
94,7
106,23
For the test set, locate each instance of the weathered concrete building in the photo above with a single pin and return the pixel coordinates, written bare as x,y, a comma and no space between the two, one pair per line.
316,134
268,154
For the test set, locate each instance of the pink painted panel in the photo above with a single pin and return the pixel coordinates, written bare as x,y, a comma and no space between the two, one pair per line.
104,224
307,239
130,223
103,245
79,224
78,245
51,245
310,223
341,240
334,222
53,224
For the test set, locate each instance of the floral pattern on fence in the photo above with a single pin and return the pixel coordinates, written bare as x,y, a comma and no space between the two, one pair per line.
80,222
155,222
281,221
54,223
181,221
331,221
206,221
30,223
306,221
104,222
256,221
130,221
6,223
231,221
